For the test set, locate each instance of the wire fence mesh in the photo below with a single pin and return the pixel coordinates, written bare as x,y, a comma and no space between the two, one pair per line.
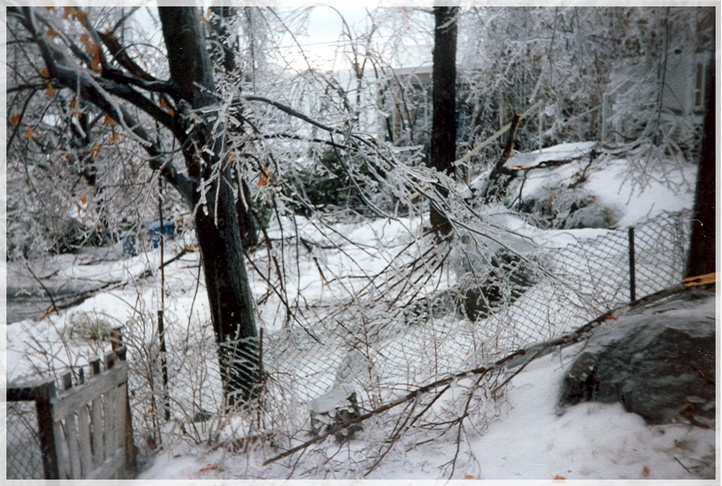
576,284
386,353
383,352
23,452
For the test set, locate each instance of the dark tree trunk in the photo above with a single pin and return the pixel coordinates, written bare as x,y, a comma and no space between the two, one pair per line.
443,131
229,294
219,235
703,245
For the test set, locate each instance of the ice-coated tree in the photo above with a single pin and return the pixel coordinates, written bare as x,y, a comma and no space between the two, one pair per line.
69,51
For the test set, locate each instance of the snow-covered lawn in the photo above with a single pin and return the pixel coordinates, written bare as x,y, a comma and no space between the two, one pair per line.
530,439
519,436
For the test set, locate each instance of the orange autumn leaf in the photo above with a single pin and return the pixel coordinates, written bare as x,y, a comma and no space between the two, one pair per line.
28,133
645,471
44,73
51,33
108,120
80,15
171,111
559,477
14,120
611,318
92,48
50,92
114,138
95,151
468,476
263,177
84,200
209,467
68,12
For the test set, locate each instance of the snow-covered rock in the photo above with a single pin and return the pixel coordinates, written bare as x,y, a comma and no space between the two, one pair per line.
659,365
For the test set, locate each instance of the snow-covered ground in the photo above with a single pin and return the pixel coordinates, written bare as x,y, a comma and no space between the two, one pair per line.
529,439
522,436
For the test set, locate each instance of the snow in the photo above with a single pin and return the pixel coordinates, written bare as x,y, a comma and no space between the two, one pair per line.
531,440
523,436
564,151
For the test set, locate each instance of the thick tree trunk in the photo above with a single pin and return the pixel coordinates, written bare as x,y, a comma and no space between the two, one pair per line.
443,132
217,226
229,294
702,250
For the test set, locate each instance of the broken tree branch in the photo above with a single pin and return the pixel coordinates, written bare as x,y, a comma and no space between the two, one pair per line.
492,186
566,340
502,131
520,358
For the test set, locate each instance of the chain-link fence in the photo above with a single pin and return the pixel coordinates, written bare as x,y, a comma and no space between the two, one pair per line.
573,285
23,453
387,352
383,351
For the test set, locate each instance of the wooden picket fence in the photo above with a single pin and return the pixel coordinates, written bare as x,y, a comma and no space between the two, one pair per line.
85,430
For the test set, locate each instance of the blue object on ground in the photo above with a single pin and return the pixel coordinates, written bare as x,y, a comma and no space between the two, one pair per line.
154,230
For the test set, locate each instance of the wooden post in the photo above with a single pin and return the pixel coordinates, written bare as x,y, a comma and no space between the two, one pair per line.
116,338
131,451
67,380
97,420
44,394
632,269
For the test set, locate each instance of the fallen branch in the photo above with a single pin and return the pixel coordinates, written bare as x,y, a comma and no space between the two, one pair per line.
80,297
481,371
520,358
502,131
50,296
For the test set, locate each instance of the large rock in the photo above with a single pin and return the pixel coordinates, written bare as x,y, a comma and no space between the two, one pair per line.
658,365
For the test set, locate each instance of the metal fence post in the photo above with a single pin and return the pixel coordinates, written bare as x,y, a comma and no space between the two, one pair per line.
632,272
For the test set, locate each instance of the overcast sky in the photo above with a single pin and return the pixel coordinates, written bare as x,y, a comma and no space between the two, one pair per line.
324,29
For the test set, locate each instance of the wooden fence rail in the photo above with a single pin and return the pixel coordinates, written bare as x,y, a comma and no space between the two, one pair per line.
85,430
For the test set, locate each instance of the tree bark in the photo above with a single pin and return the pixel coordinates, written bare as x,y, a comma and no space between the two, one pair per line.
443,132
219,234
702,249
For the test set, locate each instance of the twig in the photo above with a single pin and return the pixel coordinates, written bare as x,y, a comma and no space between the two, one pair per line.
680,463
53,306
177,257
